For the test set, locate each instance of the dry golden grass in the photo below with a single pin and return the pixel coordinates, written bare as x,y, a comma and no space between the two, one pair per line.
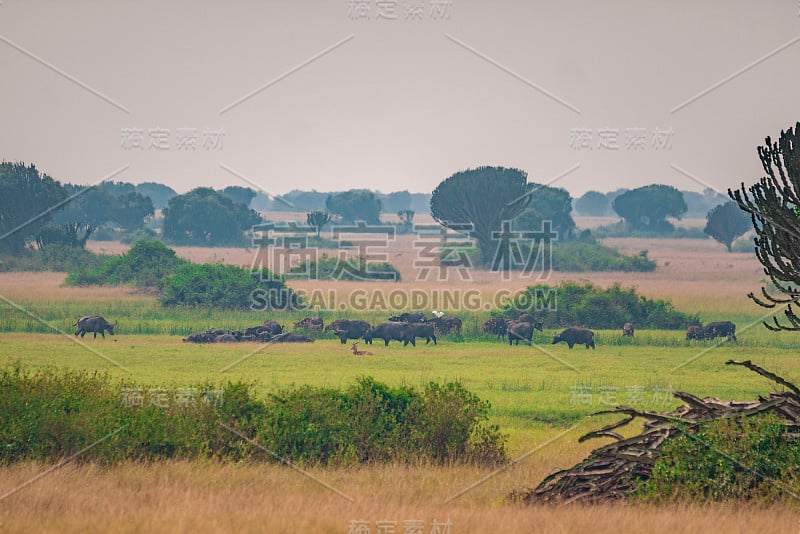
695,274
209,497
49,287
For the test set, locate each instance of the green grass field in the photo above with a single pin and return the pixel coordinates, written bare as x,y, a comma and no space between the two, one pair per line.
531,389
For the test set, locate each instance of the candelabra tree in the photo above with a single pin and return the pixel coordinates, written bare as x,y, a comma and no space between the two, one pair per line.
774,207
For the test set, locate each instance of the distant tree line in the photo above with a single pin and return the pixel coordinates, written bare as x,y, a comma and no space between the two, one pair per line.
597,204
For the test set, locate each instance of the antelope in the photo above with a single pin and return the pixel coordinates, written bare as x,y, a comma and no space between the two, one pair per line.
357,352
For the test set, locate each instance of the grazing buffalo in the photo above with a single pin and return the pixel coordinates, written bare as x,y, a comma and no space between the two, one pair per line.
291,337
310,323
447,325
497,326
393,330
627,329
94,323
534,321
720,329
226,338
408,318
346,329
695,332
424,330
273,327
520,330
575,336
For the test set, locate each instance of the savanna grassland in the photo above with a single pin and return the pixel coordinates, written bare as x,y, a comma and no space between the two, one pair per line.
540,396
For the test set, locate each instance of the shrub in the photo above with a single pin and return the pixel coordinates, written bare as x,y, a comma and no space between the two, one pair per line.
56,257
737,458
48,415
623,229
372,422
146,264
579,255
327,268
594,307
224,286
575,256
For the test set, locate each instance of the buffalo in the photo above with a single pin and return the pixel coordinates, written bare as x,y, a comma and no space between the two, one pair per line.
424,330
408,318
695,332
273,327
447,325
497,326
720,329
94,323
310,323
394,330
291,337
520,330
627,329
575,336
535,322
346,329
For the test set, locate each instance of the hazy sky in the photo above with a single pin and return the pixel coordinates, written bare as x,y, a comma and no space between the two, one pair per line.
342,95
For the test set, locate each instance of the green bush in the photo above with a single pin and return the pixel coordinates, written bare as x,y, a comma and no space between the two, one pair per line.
574,304
225,286
372,422
327,268
56,257
623,229
737,458
48,415
578,255
575,256
146,264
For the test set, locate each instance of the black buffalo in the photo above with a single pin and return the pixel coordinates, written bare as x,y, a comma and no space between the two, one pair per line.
447,325
291,337
393,330
497,326
627,329
520,330
272,327
575,336
346,329
424,330
94,323
534,321
310,323
408,318
695,332
720,329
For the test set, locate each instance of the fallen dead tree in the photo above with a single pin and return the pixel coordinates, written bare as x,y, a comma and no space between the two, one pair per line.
611,472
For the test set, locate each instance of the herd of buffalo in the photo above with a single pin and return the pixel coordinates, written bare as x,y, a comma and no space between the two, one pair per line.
405,328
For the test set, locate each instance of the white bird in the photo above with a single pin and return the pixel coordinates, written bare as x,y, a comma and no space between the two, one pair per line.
438,313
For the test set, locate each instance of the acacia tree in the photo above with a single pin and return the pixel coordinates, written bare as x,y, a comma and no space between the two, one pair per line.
484,198
726,222
318,219
208,218
27,201
548,203
356,205
239,194
647,208
773,204
593,204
